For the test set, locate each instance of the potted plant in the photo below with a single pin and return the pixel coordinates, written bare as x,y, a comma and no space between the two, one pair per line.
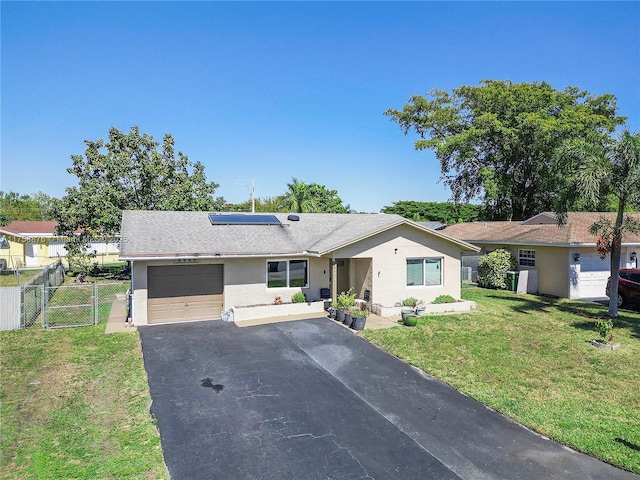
411,320
345,301
348,317
409,305
421,309
359,319
333,309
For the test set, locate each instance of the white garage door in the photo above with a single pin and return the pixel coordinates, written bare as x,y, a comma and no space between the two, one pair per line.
179,293
594,273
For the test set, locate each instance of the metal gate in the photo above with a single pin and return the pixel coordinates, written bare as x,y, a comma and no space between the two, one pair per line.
70,306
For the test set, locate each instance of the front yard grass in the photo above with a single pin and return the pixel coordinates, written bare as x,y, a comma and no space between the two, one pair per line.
75,404
529,357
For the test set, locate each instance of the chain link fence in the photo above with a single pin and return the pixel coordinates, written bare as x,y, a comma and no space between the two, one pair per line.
52,305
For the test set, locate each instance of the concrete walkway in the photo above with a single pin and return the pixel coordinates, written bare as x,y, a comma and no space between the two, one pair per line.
116,322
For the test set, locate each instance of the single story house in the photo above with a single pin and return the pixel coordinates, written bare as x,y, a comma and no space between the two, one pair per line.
36,244
197,265
565,258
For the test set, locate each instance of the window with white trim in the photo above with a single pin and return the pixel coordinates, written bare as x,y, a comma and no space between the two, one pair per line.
288,273
424,271
527,258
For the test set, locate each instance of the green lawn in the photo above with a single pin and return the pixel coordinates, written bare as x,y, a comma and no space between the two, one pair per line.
529,357
23,276
75,404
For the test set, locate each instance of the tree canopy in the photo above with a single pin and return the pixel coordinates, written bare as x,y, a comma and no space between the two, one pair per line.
126,172
495,142
15,206
591,169
302,197
443,212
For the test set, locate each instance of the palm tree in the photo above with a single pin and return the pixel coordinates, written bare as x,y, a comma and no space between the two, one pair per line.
611,168
298,198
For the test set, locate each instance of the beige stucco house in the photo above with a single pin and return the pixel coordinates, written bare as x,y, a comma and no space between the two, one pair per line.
33,244
565,258
196,265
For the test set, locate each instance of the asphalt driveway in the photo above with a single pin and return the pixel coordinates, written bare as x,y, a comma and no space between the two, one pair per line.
311,400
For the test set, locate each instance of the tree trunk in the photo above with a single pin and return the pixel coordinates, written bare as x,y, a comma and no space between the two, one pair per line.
616,250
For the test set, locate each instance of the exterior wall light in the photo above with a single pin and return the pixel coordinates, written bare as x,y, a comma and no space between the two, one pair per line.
576,257
633,256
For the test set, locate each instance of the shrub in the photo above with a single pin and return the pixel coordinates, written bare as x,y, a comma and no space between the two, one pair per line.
410,302
358,313
346,299
493,268
604,328
298,297
444,299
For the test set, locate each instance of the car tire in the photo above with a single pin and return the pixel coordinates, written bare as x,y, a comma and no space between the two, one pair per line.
621,300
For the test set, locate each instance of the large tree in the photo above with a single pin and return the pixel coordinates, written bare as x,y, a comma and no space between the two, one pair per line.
495,142
15,206
443,212
592,169
127,172
302,197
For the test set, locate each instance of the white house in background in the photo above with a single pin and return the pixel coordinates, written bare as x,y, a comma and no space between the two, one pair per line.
194,265
565,258
35,244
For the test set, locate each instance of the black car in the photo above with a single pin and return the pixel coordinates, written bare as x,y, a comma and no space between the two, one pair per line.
628,286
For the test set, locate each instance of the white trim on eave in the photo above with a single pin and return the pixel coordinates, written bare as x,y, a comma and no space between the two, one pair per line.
216,257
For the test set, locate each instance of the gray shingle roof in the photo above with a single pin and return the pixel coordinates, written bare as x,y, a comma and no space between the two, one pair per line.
170,234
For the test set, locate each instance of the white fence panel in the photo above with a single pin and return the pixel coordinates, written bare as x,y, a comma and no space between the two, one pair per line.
10,308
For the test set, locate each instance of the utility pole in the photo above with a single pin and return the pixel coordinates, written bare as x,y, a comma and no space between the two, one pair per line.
253,196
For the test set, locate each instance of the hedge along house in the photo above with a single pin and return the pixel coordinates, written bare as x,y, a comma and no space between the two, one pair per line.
565,258
195,265
32,244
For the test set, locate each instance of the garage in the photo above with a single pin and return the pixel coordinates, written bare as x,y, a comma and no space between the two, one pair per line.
178,293
594,273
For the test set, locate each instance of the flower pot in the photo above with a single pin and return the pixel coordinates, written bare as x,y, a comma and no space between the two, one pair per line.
332,312
411,320
405,312
421,312
340,315
348,319
359,323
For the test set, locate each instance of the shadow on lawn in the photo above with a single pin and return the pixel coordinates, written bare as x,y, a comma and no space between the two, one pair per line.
589,312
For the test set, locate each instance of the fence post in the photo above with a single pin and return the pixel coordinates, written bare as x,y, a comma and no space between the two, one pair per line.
96,317
44,303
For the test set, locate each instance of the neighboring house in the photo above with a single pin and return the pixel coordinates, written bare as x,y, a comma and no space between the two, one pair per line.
35,244
565,258
194,265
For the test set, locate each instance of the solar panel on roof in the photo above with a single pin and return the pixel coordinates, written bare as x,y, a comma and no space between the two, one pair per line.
242,219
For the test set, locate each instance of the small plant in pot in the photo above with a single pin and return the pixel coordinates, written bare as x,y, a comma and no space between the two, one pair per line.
333,310
408,307
344,302
359,319
421,309
411,320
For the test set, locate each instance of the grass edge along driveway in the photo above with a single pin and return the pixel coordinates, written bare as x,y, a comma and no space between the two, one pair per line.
529,357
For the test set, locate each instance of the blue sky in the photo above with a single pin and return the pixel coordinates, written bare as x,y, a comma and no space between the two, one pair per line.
274,90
